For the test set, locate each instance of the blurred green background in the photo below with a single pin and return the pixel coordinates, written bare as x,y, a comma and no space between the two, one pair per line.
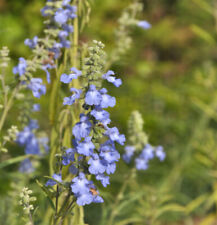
169,75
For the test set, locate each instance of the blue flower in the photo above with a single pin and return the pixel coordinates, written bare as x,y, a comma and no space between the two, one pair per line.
68,157
104,179
65,43
36,107
33,124
37,88
93,96
61,16
68,28
32,146
80,184
68,78
63,34
84,198
26,166
71,10
45,68
45,11
70,100
73,169
114,135
107,100
66,2
110,78
31,43
159,151
100,114
109,154
110,168
86,147
56,49
82,129
24,136
21,67
148,152
96,165
129,151
98,199
144,24
56,177
141,164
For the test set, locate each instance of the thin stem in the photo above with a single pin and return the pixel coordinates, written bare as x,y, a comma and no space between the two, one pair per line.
2,77
57,198
8,106
30,219
120,196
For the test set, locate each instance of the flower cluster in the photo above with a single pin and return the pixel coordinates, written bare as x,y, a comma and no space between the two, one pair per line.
88,157
58,14
26,200
31,143
139,149
142,160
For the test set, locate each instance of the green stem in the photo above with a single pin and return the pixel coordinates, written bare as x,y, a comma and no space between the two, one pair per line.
8,106
30,219
120,196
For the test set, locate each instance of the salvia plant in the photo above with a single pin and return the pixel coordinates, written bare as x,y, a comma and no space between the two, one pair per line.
79,141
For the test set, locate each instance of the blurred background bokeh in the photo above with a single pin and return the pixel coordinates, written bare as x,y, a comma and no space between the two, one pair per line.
170,76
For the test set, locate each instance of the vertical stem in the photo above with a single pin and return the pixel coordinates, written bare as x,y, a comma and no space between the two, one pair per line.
8,106
120,196
30,219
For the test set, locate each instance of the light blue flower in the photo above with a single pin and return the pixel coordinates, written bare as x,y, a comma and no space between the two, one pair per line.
148,152
100,114
110,156
144,24
56,177
107,100
93,96
31,43
85,147
46,69
141,164
68,157
21,67
26,166
36,108
70,100
80,184
37,87
104,179
114,135
96,165
61,16
129,152
110,168
68,78
159,151
82,129
112,79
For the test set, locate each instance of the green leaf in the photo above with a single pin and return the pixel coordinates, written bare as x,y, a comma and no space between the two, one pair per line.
195,203
13,160
169,208
47,194
203,34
